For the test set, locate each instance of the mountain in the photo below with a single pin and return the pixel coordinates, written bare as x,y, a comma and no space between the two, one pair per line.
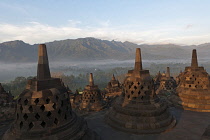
204,49
95,49
17,51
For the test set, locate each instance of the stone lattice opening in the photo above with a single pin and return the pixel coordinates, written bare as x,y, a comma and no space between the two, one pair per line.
21,125
49,114
59,112
30,109
57,97
31,125
36,101
37,116
132,92
47,101
56,121
21,108
54,106
25,102
43,124
25,116
42,107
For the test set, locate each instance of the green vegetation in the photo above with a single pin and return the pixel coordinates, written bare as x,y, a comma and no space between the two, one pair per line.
101,78
79,79
16,86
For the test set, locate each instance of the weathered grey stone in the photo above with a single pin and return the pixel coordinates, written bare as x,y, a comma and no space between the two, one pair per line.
44,111
193,91
91,97
139,110
164,83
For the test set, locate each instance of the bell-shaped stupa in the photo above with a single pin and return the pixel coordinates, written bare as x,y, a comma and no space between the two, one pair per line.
139,110
5,97
44,111
113,88
91,97
166,83
193,91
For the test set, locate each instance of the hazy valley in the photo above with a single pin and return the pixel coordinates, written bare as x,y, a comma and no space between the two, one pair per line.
75,58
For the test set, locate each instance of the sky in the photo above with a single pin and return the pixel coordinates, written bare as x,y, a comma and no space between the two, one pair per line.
184,22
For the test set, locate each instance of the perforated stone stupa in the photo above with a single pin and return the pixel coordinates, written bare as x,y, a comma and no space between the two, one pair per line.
166,83
76,99
44,111
113,87
139,110
193,91
5,97
91,97
7,105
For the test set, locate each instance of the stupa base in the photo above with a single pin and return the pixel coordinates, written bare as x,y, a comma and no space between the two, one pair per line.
177,102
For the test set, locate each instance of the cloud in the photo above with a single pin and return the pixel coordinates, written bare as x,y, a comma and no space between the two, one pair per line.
35,32
74,22
188,26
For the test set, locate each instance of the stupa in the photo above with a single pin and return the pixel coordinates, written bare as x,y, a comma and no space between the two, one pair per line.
113,88
44,111
5,97
139,110
178,77
193,91
157,80
76,99
7,105
166,83
91,97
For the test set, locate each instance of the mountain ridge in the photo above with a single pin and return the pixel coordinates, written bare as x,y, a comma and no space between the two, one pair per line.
86,49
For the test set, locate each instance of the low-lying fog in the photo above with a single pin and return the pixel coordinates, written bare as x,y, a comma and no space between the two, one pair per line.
9,71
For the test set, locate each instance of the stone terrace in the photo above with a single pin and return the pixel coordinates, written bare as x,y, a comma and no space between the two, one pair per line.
191,125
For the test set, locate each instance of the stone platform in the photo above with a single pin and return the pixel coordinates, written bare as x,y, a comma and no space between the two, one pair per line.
4,125
190,126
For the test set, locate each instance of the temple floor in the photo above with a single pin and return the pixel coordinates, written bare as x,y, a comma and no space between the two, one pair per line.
190,126
4,125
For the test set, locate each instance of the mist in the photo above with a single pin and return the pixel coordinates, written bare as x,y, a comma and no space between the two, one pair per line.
10,71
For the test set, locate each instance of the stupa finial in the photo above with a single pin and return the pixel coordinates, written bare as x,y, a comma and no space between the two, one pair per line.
194,62
168,72
138,61
43,71
113,78
91,80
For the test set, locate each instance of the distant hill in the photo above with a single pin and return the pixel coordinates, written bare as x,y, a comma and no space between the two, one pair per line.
86,49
